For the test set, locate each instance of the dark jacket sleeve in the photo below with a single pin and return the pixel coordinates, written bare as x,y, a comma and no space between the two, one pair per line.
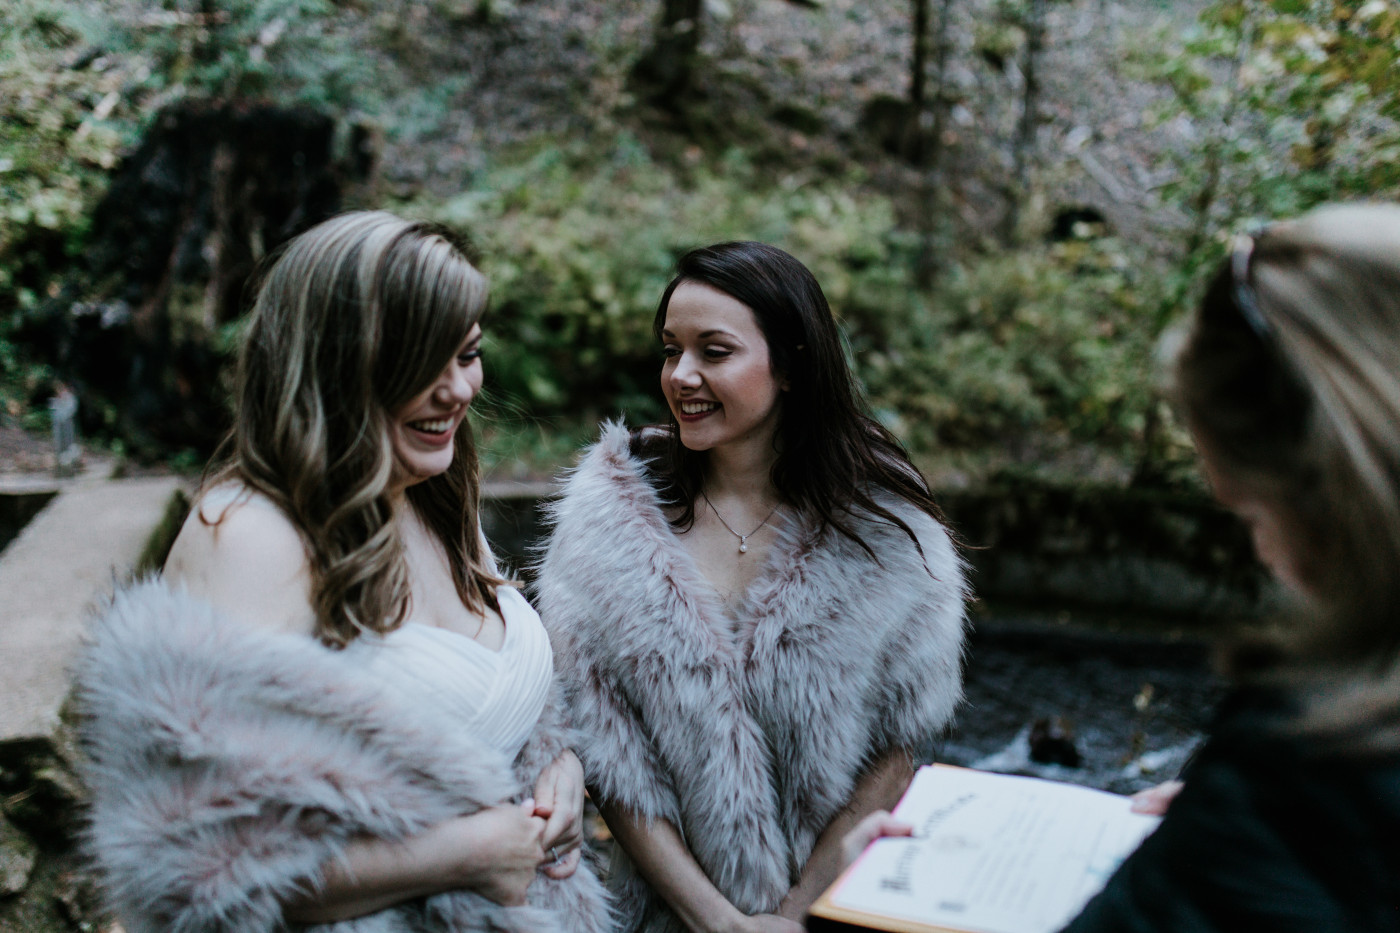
1264,836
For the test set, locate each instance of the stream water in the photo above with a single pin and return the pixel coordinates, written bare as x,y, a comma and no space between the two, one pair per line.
1132,707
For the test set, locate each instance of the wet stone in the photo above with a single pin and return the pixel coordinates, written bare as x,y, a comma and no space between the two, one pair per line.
1051,742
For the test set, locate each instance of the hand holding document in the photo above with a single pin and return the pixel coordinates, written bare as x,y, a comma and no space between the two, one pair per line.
991,853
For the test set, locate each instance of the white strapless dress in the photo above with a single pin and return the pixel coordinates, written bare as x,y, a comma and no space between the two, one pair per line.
497,696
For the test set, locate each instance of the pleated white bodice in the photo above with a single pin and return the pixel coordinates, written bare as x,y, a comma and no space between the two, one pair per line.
496,695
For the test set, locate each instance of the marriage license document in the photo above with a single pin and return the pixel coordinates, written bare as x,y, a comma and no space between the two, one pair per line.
991,853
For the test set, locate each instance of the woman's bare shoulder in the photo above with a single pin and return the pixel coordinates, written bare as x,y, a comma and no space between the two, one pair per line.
241,553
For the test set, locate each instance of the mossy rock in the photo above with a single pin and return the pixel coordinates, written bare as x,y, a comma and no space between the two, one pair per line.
59,898
1159,551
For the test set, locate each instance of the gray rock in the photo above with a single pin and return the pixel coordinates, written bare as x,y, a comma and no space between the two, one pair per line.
17,858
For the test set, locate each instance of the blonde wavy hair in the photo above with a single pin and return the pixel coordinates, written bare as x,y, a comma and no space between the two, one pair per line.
354,318
1290,378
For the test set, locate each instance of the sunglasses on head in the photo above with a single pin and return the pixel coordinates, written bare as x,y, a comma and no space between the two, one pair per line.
1278,380
1246,298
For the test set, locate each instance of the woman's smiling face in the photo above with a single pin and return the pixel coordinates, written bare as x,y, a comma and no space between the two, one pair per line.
423,430
718,377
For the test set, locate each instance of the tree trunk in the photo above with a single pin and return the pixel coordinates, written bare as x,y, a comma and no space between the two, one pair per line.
210,189
1203,202
918,80
206,47
1024,144
932,219
667,69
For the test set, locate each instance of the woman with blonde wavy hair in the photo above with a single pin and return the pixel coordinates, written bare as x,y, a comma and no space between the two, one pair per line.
333,707
1288,819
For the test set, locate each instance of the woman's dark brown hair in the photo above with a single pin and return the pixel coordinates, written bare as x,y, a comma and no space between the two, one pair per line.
832,458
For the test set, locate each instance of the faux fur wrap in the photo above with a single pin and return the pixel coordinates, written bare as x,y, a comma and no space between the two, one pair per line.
749,736
227,765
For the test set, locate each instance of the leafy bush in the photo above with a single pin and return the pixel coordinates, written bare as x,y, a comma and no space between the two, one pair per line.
1048,340
1288,103
580,250
61,128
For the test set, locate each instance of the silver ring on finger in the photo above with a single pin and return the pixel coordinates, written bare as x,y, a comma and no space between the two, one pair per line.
553,853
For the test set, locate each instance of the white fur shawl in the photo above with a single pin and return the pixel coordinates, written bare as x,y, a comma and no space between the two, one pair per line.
226,765
748,737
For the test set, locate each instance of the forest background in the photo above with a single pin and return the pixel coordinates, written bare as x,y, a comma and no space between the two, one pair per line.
1007,201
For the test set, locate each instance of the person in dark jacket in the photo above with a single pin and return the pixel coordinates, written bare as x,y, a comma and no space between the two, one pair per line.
1289,379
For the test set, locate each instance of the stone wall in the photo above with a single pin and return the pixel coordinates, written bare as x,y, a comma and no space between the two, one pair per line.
1116,549
1120,550
91,533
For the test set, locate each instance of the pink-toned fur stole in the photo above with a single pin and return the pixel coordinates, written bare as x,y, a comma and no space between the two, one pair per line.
227,765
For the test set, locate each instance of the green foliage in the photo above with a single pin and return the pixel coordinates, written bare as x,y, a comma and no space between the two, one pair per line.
1293,103
61,130
579,249
79,82
1287,104
20,380
1049,341
1283,104
289,51
57,132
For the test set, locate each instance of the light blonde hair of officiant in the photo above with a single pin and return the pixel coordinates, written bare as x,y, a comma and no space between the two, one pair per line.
1306,416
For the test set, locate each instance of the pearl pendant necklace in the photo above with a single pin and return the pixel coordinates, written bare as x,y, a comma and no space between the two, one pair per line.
743,539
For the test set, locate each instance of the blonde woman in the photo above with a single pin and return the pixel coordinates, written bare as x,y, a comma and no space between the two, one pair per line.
1289,378
333,707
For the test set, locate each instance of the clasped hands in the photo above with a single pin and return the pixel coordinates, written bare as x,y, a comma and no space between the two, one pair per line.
515,842
559,802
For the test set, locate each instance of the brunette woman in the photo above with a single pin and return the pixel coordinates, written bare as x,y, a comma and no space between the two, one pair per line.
333,707
757,611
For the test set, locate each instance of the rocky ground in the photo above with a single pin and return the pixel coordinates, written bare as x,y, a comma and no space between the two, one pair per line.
1060,701
24,451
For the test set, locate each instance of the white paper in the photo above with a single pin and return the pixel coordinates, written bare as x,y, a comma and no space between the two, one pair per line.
994,853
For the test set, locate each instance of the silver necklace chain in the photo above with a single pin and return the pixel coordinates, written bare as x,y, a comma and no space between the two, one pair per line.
743,539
